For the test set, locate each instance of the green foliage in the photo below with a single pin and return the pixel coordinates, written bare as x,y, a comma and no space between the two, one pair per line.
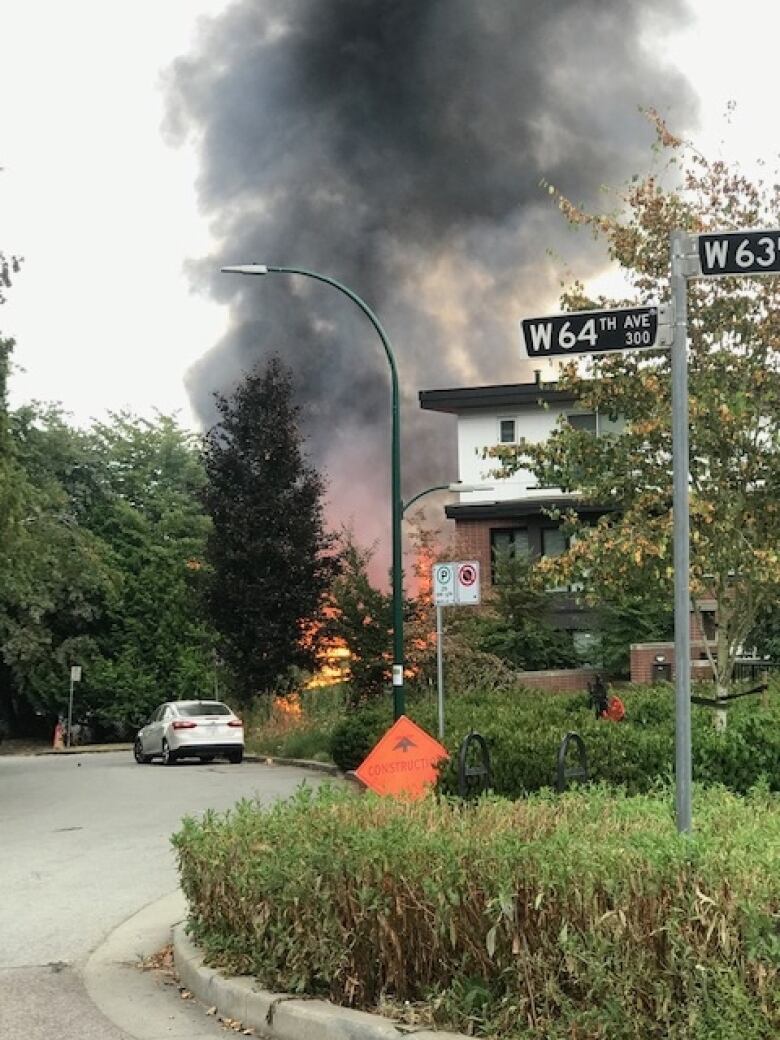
353,738
105,540
734,373
515,624
629,619
360,615
765,636
268,551
580,916
305,736
524,730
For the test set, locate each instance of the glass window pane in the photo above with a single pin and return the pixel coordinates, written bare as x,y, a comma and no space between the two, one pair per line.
203,708
585,422
520,540
553,542
501,540
507,431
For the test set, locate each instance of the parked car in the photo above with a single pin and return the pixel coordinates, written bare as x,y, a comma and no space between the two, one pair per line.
191,729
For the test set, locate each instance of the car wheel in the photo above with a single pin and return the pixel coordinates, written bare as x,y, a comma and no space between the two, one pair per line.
168,756
138,753
206,758
236,757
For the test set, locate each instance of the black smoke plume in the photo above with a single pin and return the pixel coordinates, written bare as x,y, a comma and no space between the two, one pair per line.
398,146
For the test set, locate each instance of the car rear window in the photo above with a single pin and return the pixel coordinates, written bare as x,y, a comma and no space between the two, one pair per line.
204,708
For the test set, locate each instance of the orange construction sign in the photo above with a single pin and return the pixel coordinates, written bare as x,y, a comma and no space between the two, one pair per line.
403,762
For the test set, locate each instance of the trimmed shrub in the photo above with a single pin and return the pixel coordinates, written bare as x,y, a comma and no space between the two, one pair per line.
524,730
356,734
582,916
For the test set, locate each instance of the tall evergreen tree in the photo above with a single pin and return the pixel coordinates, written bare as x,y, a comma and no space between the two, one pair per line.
268,549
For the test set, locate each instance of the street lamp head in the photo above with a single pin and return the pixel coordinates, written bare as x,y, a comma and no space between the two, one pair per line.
245,269
458,485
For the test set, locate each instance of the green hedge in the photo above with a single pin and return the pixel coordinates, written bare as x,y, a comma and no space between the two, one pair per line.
524,730
580,916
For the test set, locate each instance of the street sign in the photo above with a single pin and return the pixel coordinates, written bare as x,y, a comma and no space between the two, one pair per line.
444,584
456,584
403,761
75,673
467,587
739,252
597,332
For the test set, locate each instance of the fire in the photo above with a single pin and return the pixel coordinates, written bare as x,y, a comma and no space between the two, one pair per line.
288,709
332,654
334,665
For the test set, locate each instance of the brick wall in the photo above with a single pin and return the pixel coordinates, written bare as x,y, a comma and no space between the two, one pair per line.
472,542
643,657
565,680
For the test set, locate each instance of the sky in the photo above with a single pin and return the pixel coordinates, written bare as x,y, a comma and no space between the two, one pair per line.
104,207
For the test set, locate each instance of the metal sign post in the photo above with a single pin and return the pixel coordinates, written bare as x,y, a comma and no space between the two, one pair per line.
713,255
75,676
454,584
680,467
440,669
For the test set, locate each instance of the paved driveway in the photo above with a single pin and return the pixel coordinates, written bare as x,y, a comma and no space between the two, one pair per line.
84,843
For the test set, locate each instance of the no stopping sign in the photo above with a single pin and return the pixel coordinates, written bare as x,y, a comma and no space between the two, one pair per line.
468,582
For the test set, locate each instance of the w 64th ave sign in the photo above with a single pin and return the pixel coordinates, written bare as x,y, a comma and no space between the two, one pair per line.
739,252
595,332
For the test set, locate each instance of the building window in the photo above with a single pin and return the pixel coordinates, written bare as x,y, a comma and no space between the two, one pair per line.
709,625
506,541
587,648
554,541
587,422
506,431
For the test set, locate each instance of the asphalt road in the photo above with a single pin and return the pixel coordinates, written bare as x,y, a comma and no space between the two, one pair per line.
84,844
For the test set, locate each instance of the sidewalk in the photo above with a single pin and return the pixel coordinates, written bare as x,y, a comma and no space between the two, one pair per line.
41,747
144,1005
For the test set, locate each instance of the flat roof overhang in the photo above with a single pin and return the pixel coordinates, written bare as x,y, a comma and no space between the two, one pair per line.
518,508
505,395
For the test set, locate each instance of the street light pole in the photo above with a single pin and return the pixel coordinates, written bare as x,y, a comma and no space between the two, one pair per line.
399,702
456,486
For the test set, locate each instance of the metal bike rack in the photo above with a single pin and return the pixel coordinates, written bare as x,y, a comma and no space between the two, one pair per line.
474,780
578,772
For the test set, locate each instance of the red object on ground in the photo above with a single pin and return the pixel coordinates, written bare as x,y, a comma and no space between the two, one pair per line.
616,710
403,761
58,743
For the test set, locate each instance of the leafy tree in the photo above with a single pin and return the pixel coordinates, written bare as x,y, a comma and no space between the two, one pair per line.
515,623
143,486
734,408
268,549
104,568
361,616
627,619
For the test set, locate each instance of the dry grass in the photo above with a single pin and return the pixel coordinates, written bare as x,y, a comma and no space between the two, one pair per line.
581,917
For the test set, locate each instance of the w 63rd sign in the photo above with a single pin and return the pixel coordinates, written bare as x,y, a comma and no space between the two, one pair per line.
739,252
594,332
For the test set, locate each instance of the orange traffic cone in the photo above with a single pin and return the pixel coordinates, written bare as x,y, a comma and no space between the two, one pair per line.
58,743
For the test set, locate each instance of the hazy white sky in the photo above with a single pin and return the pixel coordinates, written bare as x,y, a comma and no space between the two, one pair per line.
104,211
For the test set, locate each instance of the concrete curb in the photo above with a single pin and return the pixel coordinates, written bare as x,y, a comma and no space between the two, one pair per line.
85,749
141,1004
308,763
282,1016
301,763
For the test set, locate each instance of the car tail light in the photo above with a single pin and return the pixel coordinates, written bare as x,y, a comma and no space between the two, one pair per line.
236,724
184,724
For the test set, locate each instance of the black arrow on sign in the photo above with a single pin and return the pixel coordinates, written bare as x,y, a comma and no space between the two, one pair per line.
404,744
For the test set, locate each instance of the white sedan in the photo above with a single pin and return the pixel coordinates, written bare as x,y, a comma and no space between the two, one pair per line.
191,729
